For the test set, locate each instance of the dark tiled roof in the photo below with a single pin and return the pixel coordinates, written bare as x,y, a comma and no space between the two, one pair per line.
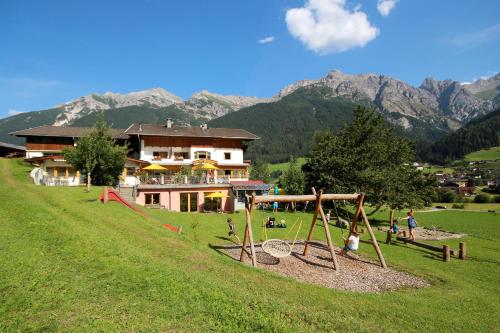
194,132
60,131
11,146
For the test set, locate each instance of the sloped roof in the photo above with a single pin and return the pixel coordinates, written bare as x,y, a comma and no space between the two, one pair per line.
70,132
194,132
11,146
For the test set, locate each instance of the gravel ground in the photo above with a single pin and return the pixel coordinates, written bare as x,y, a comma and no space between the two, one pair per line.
429,234
356,273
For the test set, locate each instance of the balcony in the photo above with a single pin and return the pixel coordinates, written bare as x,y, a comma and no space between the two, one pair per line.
180,180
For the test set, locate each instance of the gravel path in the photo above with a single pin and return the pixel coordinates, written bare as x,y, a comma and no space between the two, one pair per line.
356,273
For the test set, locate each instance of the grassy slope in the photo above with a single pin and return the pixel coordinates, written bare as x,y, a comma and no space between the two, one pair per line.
70,263
485,154
284,166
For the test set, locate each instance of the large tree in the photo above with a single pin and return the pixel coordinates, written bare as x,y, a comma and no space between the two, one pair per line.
98,155
293,180
367,156
260,171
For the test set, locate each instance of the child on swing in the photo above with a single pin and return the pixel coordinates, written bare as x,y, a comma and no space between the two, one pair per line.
351,243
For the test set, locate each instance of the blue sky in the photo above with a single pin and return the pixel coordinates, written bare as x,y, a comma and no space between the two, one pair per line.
54,51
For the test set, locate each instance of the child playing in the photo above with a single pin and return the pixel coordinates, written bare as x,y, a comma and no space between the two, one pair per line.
412,224
351,244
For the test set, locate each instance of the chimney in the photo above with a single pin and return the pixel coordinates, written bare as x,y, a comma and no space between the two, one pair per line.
204,127
169,123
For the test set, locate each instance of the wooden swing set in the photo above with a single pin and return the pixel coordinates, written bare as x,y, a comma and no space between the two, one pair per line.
318,198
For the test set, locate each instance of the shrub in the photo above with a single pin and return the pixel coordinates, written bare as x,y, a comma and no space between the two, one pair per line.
448,196
458,206
497,198
482,198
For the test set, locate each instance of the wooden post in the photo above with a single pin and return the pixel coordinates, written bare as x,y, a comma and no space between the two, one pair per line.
361,199
245,242
179,230
462,251
328,235
313,224
374,240
389,237
391,218
446,253
250,232
105,195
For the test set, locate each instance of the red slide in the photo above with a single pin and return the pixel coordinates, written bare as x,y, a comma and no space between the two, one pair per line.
115,196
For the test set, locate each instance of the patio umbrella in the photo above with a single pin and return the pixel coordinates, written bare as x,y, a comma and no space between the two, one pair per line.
154,167
216,195
205,166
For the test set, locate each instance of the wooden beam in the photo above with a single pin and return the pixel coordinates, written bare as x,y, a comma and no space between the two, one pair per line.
423,245
328,235
374,240
355,218
313,224
307,197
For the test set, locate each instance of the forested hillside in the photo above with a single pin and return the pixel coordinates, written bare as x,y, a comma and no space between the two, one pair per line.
478,134
287,127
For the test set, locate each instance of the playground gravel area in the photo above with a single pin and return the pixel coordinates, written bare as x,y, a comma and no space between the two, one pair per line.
356,273
430,234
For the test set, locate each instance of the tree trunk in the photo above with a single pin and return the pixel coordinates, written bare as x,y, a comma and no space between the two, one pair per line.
88,182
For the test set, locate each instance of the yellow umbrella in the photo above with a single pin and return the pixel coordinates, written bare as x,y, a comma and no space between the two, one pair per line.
216,195
154,167
205,166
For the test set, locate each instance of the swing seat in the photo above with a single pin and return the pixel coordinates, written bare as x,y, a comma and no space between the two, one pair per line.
277,248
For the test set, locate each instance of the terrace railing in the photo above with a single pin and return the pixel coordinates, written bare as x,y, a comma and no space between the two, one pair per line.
180,180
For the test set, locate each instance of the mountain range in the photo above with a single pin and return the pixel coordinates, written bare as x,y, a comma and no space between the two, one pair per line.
428,111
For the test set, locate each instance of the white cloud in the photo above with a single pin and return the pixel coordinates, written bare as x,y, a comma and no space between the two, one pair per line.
488,75
385,7
476,38
13,112
328,26
266,40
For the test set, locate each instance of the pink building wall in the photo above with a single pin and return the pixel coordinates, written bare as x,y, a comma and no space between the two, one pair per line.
171,198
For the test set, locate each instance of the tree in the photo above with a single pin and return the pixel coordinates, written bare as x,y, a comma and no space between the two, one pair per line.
98,155
293,180
367,156
260,171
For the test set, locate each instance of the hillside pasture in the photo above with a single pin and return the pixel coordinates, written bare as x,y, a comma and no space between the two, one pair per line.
490,154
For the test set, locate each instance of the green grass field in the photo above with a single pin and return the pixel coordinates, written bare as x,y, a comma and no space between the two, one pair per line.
70,263
485,154
284,166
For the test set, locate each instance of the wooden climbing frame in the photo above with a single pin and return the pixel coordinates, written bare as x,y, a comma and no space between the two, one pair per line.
318,198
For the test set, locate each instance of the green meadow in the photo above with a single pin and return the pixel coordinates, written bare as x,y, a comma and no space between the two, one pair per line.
485,154
70,263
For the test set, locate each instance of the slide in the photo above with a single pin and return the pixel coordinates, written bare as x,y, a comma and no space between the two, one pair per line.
115,196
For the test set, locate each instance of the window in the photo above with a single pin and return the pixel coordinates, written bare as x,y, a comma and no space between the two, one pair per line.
159,155
130,171
179,156
227,156
152,198
202,155
227,173
189,202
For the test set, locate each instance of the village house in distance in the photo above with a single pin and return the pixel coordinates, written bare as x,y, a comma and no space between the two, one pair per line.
172,167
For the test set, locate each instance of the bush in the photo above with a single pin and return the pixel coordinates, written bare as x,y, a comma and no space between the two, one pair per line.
497,198
448,196
482,198
458,206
